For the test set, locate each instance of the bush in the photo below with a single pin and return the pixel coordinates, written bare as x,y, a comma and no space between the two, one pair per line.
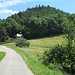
54,55
59,55
10,40
21,42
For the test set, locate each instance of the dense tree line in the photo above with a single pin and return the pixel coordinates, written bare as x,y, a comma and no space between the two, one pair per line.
40,21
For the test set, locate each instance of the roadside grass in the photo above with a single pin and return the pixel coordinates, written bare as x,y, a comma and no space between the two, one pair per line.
2,54
32,54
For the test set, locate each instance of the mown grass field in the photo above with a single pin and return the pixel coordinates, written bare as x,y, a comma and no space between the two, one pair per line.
36,49
2,54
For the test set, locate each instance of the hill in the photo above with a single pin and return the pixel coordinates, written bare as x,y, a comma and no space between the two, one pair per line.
41,21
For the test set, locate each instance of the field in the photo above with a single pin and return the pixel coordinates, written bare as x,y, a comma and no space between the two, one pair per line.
32,54
2,54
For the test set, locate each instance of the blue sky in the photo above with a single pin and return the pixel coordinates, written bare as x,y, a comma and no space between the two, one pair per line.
10,7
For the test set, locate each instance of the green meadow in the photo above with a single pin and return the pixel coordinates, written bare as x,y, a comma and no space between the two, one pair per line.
32,54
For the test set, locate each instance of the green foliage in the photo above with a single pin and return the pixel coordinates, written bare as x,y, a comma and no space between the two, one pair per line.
21,42
37,22
63,56
30,57
12,27
3,34
69,30
9,40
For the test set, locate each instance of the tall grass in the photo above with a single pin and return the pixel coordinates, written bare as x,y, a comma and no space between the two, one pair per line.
36,49
45,43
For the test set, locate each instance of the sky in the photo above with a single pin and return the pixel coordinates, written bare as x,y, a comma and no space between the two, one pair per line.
10,7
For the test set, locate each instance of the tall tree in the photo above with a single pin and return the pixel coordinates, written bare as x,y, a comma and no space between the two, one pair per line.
3,34
69,30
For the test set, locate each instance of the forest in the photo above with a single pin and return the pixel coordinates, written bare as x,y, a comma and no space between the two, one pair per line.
41,21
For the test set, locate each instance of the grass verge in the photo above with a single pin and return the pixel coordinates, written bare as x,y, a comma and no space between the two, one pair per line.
2,54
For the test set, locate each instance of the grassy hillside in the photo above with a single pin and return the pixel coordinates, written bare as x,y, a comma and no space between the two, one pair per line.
36,49
47,42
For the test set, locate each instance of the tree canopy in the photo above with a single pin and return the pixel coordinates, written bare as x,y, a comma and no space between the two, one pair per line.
40,21
3,34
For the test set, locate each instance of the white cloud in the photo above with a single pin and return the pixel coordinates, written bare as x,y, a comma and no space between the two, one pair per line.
3,11
5,4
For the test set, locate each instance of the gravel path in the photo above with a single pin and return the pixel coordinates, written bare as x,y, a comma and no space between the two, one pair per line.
12,63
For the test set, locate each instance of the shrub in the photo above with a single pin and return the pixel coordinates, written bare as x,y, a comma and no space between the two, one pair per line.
59,55
53,55
21,42
10,40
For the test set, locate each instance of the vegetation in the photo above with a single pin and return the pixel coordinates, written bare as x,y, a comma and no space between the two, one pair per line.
32,54
9,40
41,21
2,54
21,42
60,57
12,27
3,34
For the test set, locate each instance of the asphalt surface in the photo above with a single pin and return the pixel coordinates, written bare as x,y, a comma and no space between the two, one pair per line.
13,64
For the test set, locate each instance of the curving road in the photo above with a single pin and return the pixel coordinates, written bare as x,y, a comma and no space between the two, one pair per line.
12,63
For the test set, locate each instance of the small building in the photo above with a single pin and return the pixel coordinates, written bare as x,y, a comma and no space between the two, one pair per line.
19,35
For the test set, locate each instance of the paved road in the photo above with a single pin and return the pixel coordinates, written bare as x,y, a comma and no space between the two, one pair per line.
12,63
